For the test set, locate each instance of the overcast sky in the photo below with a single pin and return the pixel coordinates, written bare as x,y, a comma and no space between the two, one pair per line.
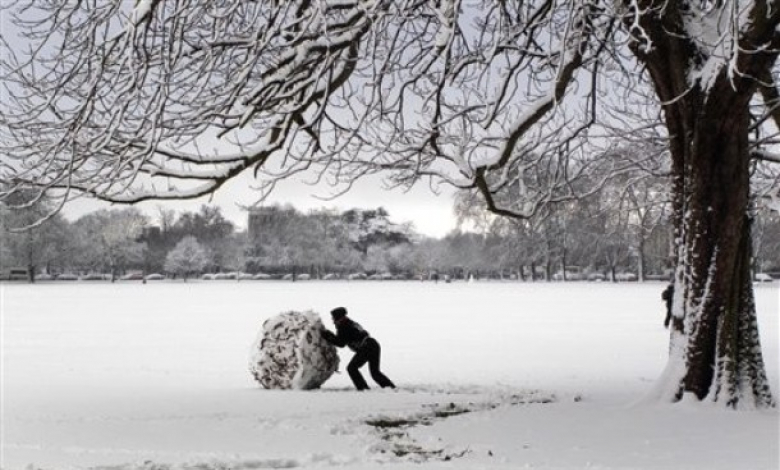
431,214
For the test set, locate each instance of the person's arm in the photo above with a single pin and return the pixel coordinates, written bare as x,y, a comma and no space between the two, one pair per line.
333,339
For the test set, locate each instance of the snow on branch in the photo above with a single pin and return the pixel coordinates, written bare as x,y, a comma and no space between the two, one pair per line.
142,11
130,101
102,106
574,39
726,34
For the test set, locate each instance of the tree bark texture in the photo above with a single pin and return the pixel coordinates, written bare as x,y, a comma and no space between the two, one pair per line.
715,352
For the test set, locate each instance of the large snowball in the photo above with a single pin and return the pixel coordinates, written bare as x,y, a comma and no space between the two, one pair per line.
290,352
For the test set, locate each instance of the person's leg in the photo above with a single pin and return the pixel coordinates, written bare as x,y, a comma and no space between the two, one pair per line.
353,369
668,318
374,356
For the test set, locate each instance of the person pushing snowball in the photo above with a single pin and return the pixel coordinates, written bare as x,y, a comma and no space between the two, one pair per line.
367,349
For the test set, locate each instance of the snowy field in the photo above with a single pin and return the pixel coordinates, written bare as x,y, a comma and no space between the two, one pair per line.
491,375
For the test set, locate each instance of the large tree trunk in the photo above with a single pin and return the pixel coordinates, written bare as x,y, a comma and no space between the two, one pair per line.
715,353
641,255
31,249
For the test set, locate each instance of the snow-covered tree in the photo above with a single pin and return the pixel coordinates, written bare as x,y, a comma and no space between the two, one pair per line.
279,238
122,99
368,228
647,204
767,241
109,239
463,253
213,231
327,243
187,258
33,247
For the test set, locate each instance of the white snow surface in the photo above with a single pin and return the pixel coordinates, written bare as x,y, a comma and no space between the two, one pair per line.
490,375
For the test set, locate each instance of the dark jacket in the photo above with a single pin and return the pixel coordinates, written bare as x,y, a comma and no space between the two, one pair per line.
668,294
348,333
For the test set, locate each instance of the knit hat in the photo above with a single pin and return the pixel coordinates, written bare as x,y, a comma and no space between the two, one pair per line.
338,312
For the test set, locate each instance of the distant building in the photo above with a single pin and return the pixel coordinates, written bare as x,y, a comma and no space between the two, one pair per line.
14,274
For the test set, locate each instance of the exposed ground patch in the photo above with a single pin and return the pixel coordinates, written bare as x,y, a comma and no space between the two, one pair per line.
393,431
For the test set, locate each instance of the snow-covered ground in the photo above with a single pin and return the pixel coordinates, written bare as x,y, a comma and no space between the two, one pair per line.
491,375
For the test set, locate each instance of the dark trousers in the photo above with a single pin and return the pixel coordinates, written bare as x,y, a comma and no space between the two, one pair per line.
668,318
370,352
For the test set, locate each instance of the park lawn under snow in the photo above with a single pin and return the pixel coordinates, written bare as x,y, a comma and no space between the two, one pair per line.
491,375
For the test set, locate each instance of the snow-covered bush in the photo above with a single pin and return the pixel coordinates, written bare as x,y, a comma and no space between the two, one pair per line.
290,352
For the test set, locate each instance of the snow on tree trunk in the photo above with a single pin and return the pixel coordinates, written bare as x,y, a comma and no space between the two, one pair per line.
715,353
291,353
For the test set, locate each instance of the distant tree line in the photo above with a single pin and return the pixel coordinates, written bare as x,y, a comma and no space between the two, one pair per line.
584,238
621,230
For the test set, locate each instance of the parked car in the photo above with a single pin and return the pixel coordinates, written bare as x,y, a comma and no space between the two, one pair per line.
303,277
207,277
330,277
154,277
244,277
95,277
625,277
132,277
261,276
596,277
763,277
357,276
44,277
67,277
570,276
